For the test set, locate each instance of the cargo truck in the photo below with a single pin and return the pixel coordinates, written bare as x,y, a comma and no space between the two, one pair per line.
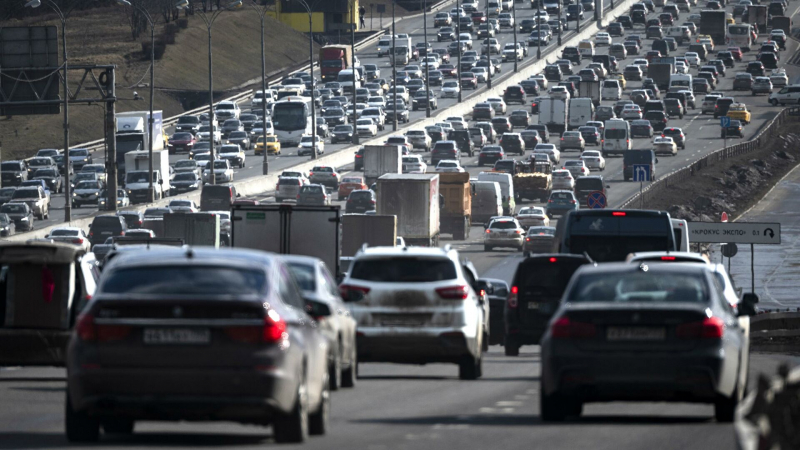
373,230
414,199
133,134
455,214
380,160
531,186
782,23
661,73
553,114
589,89
757,16
137,181
193,228
332,60
715,24
288,229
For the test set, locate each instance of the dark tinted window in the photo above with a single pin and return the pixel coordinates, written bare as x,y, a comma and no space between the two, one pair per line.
540,278
639,287
106,222
10,166
612,238
189,280
616,133
304,276
583,183
505,225
409,270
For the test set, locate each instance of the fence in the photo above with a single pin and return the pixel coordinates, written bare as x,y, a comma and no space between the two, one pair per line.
680,176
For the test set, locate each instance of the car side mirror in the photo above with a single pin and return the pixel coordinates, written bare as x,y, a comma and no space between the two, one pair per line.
316,309
747,307
608,186
352,295
656,160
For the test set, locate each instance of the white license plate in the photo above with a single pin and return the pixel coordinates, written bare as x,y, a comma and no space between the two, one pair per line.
533,305
177,336
635,334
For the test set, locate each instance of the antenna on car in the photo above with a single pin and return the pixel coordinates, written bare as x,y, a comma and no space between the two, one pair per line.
586,255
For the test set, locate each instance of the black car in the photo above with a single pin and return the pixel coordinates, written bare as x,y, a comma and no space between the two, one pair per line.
530,138
512,142
536,291
464,141
106,226
241,138
519,118
572,54
755,68
51,177
615,29
497,292
544,134
515,94
20,213
490,154
658,119
435,78
13,173
625,21
445,150
186,182
590,135
342,133
734,129
230,126
7,227
531,87
360,201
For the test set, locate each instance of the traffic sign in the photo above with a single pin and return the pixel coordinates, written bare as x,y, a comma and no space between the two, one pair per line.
735,232
729,250
724,217
641,172
596,200
724,121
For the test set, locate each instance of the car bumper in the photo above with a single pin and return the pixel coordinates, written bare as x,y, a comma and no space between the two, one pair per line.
413,345
504,242
559,211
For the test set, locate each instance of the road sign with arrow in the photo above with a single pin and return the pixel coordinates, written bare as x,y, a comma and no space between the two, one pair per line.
641,172
735,232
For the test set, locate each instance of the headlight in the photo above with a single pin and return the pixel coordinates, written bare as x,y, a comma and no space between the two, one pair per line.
74,194
24,219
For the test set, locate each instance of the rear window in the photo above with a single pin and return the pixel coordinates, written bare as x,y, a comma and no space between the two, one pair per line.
505,225
404,270
543,278
639,287
583,184
106,222
186,281
607,238
304,276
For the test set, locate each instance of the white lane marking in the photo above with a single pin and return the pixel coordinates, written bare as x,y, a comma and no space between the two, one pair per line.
508,403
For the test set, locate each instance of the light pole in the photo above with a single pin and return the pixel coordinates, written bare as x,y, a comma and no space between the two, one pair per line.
560,28
538,32
514,18
209,21
67,162
427,69
309,9
458,46
394,75
262,12
151,195
488,50
352,66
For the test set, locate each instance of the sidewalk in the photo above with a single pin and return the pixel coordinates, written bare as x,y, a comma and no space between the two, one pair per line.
777,267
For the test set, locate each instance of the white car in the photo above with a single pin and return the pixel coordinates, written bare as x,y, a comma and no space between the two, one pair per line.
304,148
692,58
430,62
779,78
366,127
223,173
227,110
70,235
577,168
602,39
559,92
449,165
466,38
450,89
376,101
397,295
534,216
518,47
562,179
631,112
202,159
665,145
543,14
490,45
204,134
540,79
419,139
594,160
183,205
234,154
550,150
258,130
414,164
481,73
680,67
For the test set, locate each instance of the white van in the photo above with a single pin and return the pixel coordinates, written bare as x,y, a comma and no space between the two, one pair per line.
681,231
401,56
346,79
506,189
680,82
616,136
739,36
385,46
581,110
611,90
487,201
789,94
586,48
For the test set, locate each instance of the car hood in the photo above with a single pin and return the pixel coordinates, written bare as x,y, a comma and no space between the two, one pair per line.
91,191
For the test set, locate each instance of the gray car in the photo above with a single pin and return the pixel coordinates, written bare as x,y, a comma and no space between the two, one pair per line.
20,213
51,177
644,332
199,334
242,138
572,140
313,195
86,193
504,233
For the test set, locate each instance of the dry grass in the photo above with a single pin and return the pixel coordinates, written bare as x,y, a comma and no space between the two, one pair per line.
101,36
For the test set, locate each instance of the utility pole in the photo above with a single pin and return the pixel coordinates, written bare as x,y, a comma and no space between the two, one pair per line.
488,50
458,47
427,69
355,72
514,18
394,74
560,28
538,33
111,142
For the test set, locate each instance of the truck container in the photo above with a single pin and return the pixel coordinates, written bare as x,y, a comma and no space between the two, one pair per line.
288,229
757,16
661,73
332,60
782,23
531,186
715,24
373,230
136,177
455,214
193,228
589,89
414,199
132,134
380,160
553,113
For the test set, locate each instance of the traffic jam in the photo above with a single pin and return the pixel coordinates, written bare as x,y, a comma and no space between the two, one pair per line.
469,241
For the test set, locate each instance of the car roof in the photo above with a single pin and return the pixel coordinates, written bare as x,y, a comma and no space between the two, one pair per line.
681,255
171,256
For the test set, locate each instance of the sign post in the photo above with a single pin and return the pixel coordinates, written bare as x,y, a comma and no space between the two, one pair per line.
641,173
724,123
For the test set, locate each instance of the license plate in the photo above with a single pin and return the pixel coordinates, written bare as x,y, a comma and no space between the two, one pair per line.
177,336
635,334
533,305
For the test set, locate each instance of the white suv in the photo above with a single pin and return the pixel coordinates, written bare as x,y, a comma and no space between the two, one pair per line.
416,305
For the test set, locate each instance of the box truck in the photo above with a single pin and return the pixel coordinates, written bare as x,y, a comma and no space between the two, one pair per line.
193,228
137,181
373,230
133,134
553,113
455,214
414,199
380,160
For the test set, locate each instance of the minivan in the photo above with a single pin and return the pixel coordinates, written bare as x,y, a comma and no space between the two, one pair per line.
637,157
487,201
789,94
587,184
217,197
506,182
106,226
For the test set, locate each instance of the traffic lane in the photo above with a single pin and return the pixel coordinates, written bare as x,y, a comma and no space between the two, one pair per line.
403,407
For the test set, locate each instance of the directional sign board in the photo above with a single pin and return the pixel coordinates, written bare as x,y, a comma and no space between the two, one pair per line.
641,172
724,121
596,200
735,232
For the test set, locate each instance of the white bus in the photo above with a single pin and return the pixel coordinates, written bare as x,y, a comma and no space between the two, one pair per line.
739,36
616,136
291,119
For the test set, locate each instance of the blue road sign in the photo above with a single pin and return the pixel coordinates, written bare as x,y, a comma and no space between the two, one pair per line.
596,200
641,172
724,121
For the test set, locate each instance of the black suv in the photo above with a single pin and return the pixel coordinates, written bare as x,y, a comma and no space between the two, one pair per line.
464,141
106,226
535,293
514,94
444,150
572,54
360,201
587,184
512,142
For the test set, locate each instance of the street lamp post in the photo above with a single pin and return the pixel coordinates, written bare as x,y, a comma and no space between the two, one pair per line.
458,46
209,21
514,19
488,50
310,10
353,67
560,28
67,162
538,31
151,195
427,69
394,75
262,12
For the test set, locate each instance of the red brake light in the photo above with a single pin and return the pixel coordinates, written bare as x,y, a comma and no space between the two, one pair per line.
344,290
77,241
619,213
488,231
668,258
708,328
274,327
512,299
460,292
552,259
85,328
564,328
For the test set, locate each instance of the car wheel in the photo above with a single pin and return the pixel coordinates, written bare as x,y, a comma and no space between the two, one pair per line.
335,371
293,427
318,421
470,367
118,426
80,426
725,407
349,375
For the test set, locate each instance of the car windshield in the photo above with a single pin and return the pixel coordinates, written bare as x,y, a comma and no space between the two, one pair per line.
188,176
205,280
12,208
403,270
182,137
64,232
639,286
220,165
92,184
541,231
186,163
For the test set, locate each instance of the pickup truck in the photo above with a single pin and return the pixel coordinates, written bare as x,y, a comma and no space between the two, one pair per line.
35,198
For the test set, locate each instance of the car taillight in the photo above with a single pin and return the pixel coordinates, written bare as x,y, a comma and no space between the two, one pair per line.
512,298
708,328
345,289
88,331
460,292
564,328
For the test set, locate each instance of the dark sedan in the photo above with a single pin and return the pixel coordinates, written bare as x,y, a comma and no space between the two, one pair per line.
20,213
490,154
360,201
497,292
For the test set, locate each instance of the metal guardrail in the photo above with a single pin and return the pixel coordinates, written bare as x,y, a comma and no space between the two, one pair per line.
679,176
